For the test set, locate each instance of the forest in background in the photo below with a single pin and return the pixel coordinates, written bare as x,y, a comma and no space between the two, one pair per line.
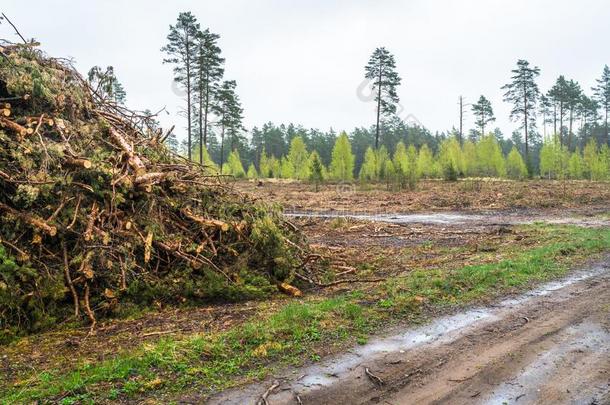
561,133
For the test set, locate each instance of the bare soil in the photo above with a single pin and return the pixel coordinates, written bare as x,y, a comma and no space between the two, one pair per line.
550,346
431,195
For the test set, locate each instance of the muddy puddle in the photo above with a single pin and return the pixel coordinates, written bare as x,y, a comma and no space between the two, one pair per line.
328,376
461,218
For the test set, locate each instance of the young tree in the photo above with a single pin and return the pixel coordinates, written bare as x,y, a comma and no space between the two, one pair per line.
489,157
342,163
401,164
106,85
469,153
368,170
265,166
450,159
181,52
208,73
299,158
381,157
554,159
523,93
576,165
381,70
286,169
594,164
228,108
252,173
602,96
209,162
425,162
484,114
515,166
316,170
389,173
412,167
234,167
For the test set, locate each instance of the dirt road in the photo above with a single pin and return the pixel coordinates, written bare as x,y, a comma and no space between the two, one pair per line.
549,346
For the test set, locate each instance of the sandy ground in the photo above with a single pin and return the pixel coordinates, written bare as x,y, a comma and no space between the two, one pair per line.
549,346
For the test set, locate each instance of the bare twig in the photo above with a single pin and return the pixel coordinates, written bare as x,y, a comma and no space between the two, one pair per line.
15,28
263,398
375,379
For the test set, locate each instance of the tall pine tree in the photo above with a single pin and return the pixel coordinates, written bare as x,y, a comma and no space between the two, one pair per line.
523,93
483,113
208,73
228,108
602,96
181,51
574,97
381,70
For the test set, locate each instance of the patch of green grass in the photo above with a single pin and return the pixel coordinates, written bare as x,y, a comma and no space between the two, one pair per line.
302,330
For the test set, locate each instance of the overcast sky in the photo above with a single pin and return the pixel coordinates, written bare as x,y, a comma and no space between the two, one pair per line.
302,61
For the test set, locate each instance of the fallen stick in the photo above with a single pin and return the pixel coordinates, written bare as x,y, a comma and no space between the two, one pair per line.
78,162
215,223
132,158
30,219
263,398
20,130
157,333
88,309
375,379
69,280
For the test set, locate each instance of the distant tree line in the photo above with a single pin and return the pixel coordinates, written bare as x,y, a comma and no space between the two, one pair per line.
405,164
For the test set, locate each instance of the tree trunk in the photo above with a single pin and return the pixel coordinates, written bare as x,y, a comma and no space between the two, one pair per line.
188,93
544,123
461,120
554,119
378,108
607,137
570,129
222,146
206,109
200,108
561,123
527,150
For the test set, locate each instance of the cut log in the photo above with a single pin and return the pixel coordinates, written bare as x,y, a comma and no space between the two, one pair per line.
20,130
148,247
31,219
206,222
289,290
133,159
6,112
78,162
150,178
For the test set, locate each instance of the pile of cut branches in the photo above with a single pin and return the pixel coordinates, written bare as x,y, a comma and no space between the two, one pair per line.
96,213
